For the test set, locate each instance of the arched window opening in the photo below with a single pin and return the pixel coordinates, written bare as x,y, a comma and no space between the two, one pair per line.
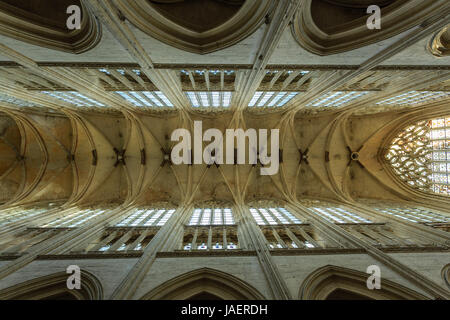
420,156
272,99
17,214
273,216
33,216
212,216
338,283
208,99
130,234
204,283
413,98
146,218
415,214
146,99
15,101
379,231
336,213
73,218
283,229
210,228
74,98
337,99
54,287
339,215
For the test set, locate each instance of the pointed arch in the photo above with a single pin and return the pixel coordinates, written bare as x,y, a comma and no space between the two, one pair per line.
326,27
203,282
223,23
439,45
446,275
332,281
54,287
44,25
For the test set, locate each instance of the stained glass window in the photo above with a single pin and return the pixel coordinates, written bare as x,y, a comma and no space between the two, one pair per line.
210,216
337,214
205,99
273,216
413,214
271,98
146,218
420,156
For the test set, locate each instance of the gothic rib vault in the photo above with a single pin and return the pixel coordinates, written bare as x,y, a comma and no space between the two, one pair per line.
85,169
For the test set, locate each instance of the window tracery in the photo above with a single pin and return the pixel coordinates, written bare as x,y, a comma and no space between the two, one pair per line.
336,213
15,101
15,215
143,99
146,218
273,216
74,219
337,98
415,98
207,99
420,156
413,214
211,228
272,98
75,98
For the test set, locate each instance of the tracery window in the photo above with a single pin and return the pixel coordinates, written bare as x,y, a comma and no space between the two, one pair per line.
337,98
74,219
18,214
132,233
284,230
415,98
378,231
212,72
210,228
292,237
336,213
118,240
74,97
142,99
272,98
273,216
212,216
146,218
412,214
420,156
210,238
207,99
15,101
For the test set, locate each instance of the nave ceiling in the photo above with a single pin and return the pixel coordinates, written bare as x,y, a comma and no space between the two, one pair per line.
75,158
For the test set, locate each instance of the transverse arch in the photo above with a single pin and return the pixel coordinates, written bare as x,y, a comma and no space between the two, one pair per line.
54,287
204,282
330,282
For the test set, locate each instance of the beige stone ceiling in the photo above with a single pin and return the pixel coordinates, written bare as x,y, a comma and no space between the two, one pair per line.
49,166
